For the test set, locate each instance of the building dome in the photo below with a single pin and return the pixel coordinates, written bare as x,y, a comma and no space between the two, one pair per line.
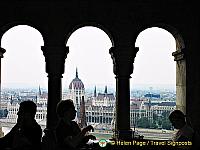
76,83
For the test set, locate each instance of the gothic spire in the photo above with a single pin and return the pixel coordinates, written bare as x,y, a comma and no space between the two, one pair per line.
76,72
95,91
106,90
40,93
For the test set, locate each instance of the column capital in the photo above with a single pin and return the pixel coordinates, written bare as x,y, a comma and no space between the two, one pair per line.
123,59
55,59
60,51
2,51
179,55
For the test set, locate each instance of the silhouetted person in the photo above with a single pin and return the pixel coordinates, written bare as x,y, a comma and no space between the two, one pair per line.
185,131
27,133
68,133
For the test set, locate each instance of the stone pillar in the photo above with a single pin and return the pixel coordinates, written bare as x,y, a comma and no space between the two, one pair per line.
123,58
2,51
179,57
55,59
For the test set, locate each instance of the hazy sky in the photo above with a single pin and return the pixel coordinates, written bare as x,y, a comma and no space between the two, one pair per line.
24,64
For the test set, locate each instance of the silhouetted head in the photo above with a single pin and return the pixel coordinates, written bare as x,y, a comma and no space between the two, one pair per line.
66,109
27,107
26,113
177,119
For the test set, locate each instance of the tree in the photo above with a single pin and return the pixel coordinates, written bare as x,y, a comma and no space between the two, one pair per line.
155,116
3,113
143,122
154,125
166,124
165,114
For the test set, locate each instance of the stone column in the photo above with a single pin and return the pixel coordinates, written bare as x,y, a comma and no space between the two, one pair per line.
2,51
123,58
55,59
179,57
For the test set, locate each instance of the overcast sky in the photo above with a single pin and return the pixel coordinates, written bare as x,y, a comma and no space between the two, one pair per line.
24,64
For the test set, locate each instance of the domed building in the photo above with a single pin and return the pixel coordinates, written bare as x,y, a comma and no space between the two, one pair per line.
76,93
76,83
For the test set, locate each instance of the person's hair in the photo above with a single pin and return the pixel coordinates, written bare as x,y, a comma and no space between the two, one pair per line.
177,114
28,107
63,106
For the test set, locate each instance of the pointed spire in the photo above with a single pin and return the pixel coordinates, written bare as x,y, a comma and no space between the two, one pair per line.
36,99
40,93
11,99
95,91
76,72
106,90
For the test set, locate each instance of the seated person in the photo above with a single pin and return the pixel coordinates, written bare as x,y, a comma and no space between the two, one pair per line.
185,131
26,134
68,133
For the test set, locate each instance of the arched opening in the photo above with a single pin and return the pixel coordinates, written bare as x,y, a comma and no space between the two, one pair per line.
153,83
88,75
23,72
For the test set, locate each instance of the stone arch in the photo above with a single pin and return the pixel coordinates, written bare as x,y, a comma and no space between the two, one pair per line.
180,44
8,26
11,27
179,57
91,24
94,28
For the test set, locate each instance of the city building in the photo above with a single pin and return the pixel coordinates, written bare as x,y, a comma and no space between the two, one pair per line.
77,93
123,22
135,111
162,107
40,98
144,108
100,109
